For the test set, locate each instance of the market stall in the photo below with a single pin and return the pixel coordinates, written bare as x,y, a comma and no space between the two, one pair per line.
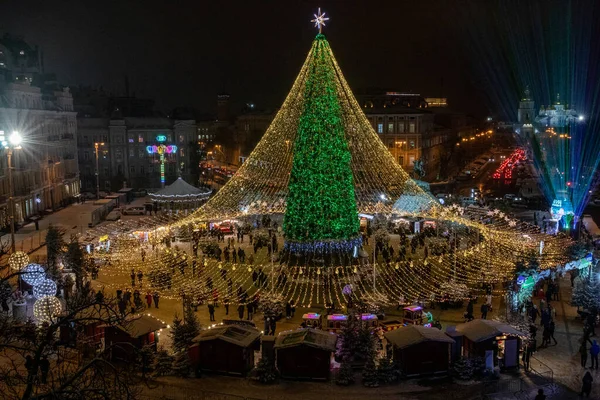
122,342
305,353
227,349
420,350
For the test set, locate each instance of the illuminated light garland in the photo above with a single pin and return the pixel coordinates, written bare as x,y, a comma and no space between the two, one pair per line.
45,288
33,274
18,260
47,308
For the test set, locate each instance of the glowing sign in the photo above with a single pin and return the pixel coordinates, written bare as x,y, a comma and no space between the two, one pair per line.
161,138
557,203
161,149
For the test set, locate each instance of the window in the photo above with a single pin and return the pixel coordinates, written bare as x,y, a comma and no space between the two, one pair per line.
391,144
390,127
151,169
182,152
132,169
401,127
106,172
412,144
105,139
411,160
131,140
107,185
247,127
104,153
118,154
140,138
131,153
401,160
141,154
380,127
411,127
168,137
86,155
119,169
85,139
181,138
142,170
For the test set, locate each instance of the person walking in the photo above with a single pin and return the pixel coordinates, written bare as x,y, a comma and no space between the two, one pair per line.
484,311
540,395
288,310
211,310
156,297
583,352
586,388
250,308
44,368
273,326
594,351
140,276
241,311
551,327
226,304
122,306
149,299
132,275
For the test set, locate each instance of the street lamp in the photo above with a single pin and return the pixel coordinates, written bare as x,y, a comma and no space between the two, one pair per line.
96,145
14,142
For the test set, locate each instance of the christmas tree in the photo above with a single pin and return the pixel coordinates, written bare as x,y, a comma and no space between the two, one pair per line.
345,375
321,204
463,370
163,363
177,334
370,377
349,342
181,364
386,370
265,371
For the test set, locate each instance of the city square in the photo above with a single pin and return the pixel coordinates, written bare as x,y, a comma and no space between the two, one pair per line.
347,243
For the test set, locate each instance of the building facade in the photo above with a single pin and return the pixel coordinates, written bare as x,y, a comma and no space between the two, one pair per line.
46,173
129,152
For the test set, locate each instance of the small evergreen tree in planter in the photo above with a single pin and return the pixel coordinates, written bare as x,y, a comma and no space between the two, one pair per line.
345,375
54,249
147,359
163,364
463,369
386,370
265,371
181,364
370,377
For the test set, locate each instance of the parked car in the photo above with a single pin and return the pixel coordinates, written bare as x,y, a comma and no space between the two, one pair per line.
134,211
114,215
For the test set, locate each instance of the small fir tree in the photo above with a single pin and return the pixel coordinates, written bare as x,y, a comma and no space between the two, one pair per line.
177,334
147,359
265,371
386,370
370,377
463,369
191,327
76,261
54,249
345,375
163,364
181,364
348,342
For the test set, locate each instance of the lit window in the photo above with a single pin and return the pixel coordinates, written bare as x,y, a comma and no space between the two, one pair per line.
412,144
181,138
401,160
22,52
181,152
411,127
104,153
140,138
401,127
380,127
390,127
411,160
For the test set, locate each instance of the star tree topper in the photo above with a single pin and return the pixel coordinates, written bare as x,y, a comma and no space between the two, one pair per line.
319,20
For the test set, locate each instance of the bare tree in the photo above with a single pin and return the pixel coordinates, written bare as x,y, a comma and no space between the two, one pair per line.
27,350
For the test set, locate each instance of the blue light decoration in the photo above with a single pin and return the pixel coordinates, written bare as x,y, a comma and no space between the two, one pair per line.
520,280
161,150
161,138
324,246
33,274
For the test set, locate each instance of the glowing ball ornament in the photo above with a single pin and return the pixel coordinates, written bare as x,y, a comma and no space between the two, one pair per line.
47,308
45,288
33,274
18,260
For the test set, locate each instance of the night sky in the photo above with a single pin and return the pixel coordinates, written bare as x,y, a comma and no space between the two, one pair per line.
184,54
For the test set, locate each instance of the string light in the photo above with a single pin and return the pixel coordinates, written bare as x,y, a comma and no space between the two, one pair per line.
18,260
45,288
33,274
47,308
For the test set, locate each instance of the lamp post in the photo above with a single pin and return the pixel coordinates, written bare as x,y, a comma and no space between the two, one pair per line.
96,145
14,142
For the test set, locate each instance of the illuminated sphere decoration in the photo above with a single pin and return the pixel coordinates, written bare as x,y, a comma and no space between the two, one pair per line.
33,274
45,288
45,309
18,260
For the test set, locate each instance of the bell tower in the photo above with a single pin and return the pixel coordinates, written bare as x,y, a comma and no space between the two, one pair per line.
526,113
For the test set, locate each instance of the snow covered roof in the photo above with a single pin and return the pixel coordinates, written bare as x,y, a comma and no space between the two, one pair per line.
414,334
180,190
310,337
482,329
139,325
235,334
